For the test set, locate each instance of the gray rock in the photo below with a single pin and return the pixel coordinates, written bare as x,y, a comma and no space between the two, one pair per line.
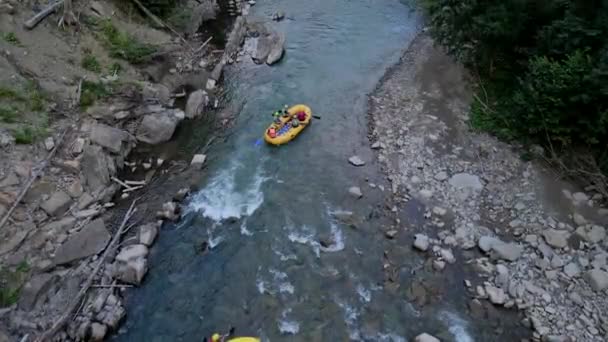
35,288
147,234
441,176
439,211
96,167
131,264
572,270
198,160
49,143
425,194
278,16
58,204
556,338
421,242
60,226
556,238
447,255
580,197
75,189
10,179
485,243
506,251
355,191
277,48
78,145
390,234
438,265
89,241
597,279
502,276
578,219
113,316
466,181
497,296
108,137
181,194
424,337
197,101
6,138
9,244
98,332
158,127
591,233
376,146
154,92
557,261
85,200
356,161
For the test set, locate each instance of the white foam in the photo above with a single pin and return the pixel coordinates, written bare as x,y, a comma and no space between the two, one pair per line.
244,230
390,338
284,257
456,326
350,318
365,294
287,326
337,238
259,283
286,287
222,199
214,241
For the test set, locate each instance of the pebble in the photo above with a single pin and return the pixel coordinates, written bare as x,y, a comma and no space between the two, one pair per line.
438,265
355,191
356,161
441,176
421,242
448,256
426,193
439,211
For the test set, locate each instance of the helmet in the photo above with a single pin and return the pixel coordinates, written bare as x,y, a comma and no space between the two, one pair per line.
215,337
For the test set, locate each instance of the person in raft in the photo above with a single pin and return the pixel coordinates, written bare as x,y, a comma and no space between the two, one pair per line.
272,132
299,117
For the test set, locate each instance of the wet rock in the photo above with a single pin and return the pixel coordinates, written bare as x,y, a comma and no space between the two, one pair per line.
439,211
35,288
355,191
181,194
580,197
438,265
278,16
597,279
578,219
89,241
112,316
154,92
556,238
49,143
10,179
277,48
198,160
424,337
356,161
131,264
157,128
197,101
556,338
466,181
502,276
58,204
85,200
421,242
376,146
98,331
96,167
591,233
497,296
425,194
390,234
447,255
572,270
109,137
147,234
170,211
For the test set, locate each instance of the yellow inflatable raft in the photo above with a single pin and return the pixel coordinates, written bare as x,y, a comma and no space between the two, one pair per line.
244,339
285,132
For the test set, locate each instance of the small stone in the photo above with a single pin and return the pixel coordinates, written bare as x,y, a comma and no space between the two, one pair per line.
98,331
578,219
439,211
75,189
557,262
421,242
497,296
556,238
147,234
376,145
438,265
49,143
58,204
507,251
466,181
426,193
355,191
78,146
591,233
356,161
580,197
502,277
85,200
198,160
391,234
424,337
486,243
181,194
441,176
597,279
572,270
448,256
10,180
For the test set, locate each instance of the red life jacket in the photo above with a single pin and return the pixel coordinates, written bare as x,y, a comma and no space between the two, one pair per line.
301,116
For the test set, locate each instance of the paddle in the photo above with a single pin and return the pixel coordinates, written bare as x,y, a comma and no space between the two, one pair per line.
316,117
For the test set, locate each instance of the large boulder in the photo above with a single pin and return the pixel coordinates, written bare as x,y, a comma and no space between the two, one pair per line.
591,233
277,48
158,127
147,234
97,167
89,241
466,181
424,337
197,101
58,204
556,238
109,137
597,279
131,264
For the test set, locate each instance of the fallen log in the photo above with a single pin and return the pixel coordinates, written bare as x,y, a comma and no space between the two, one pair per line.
32,22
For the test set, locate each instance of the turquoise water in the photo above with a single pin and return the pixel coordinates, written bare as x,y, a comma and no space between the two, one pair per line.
264,210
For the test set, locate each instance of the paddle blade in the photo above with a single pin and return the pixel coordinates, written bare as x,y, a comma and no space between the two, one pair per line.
258,142
316,117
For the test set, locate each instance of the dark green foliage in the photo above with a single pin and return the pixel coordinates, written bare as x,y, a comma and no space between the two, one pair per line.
28,134
543,65
93,91
90,62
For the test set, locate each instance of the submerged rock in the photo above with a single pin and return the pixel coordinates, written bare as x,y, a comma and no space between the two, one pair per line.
277,48
424,337
356,161
197,101
355,191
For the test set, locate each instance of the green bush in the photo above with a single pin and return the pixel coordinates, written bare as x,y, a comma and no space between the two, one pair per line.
543,64
90,62
124,46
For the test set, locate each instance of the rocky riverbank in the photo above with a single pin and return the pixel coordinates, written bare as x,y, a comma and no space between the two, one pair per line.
538,245
65,187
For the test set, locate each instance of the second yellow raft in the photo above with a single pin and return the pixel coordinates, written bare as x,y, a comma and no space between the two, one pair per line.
285,132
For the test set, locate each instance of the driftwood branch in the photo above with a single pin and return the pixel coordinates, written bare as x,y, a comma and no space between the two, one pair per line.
32,22
50,333
35,173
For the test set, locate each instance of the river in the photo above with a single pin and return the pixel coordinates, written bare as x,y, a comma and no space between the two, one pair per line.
265,209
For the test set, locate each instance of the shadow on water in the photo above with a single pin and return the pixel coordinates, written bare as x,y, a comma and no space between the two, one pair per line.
283,262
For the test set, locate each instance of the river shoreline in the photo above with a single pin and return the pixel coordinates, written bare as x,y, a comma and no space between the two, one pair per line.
527,252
